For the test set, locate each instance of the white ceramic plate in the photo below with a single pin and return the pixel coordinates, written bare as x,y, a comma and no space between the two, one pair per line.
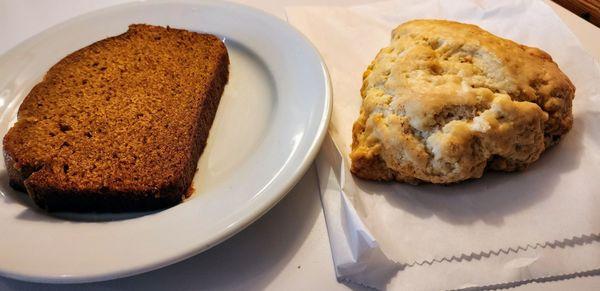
269,126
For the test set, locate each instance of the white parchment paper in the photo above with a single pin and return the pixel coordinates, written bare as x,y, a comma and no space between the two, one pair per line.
504,227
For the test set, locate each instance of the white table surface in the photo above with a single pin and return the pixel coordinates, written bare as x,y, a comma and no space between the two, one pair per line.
287,249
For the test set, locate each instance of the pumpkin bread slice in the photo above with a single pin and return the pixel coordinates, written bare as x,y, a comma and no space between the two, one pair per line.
119,125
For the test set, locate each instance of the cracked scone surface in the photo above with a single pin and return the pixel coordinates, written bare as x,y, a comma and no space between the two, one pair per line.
446,100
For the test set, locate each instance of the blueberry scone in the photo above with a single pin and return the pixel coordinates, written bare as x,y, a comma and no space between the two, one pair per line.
446,100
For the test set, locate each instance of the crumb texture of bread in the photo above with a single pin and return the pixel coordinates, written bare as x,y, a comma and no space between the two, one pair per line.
119,125
446,100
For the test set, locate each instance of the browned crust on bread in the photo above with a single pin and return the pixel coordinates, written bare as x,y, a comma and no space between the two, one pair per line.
155,93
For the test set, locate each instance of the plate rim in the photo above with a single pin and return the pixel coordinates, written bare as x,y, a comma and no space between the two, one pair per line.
240,223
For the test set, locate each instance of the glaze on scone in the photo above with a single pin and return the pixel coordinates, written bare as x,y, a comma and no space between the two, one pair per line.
445,100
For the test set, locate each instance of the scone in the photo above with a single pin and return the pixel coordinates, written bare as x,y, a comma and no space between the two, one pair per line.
446,100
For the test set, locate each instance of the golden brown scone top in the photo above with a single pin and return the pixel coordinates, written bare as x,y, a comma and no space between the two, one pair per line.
446,99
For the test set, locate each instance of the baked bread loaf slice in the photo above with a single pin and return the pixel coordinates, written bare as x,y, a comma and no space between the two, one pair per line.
446,100
119,125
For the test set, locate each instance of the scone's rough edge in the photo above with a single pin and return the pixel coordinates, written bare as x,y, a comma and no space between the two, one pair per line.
174,192
373,167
